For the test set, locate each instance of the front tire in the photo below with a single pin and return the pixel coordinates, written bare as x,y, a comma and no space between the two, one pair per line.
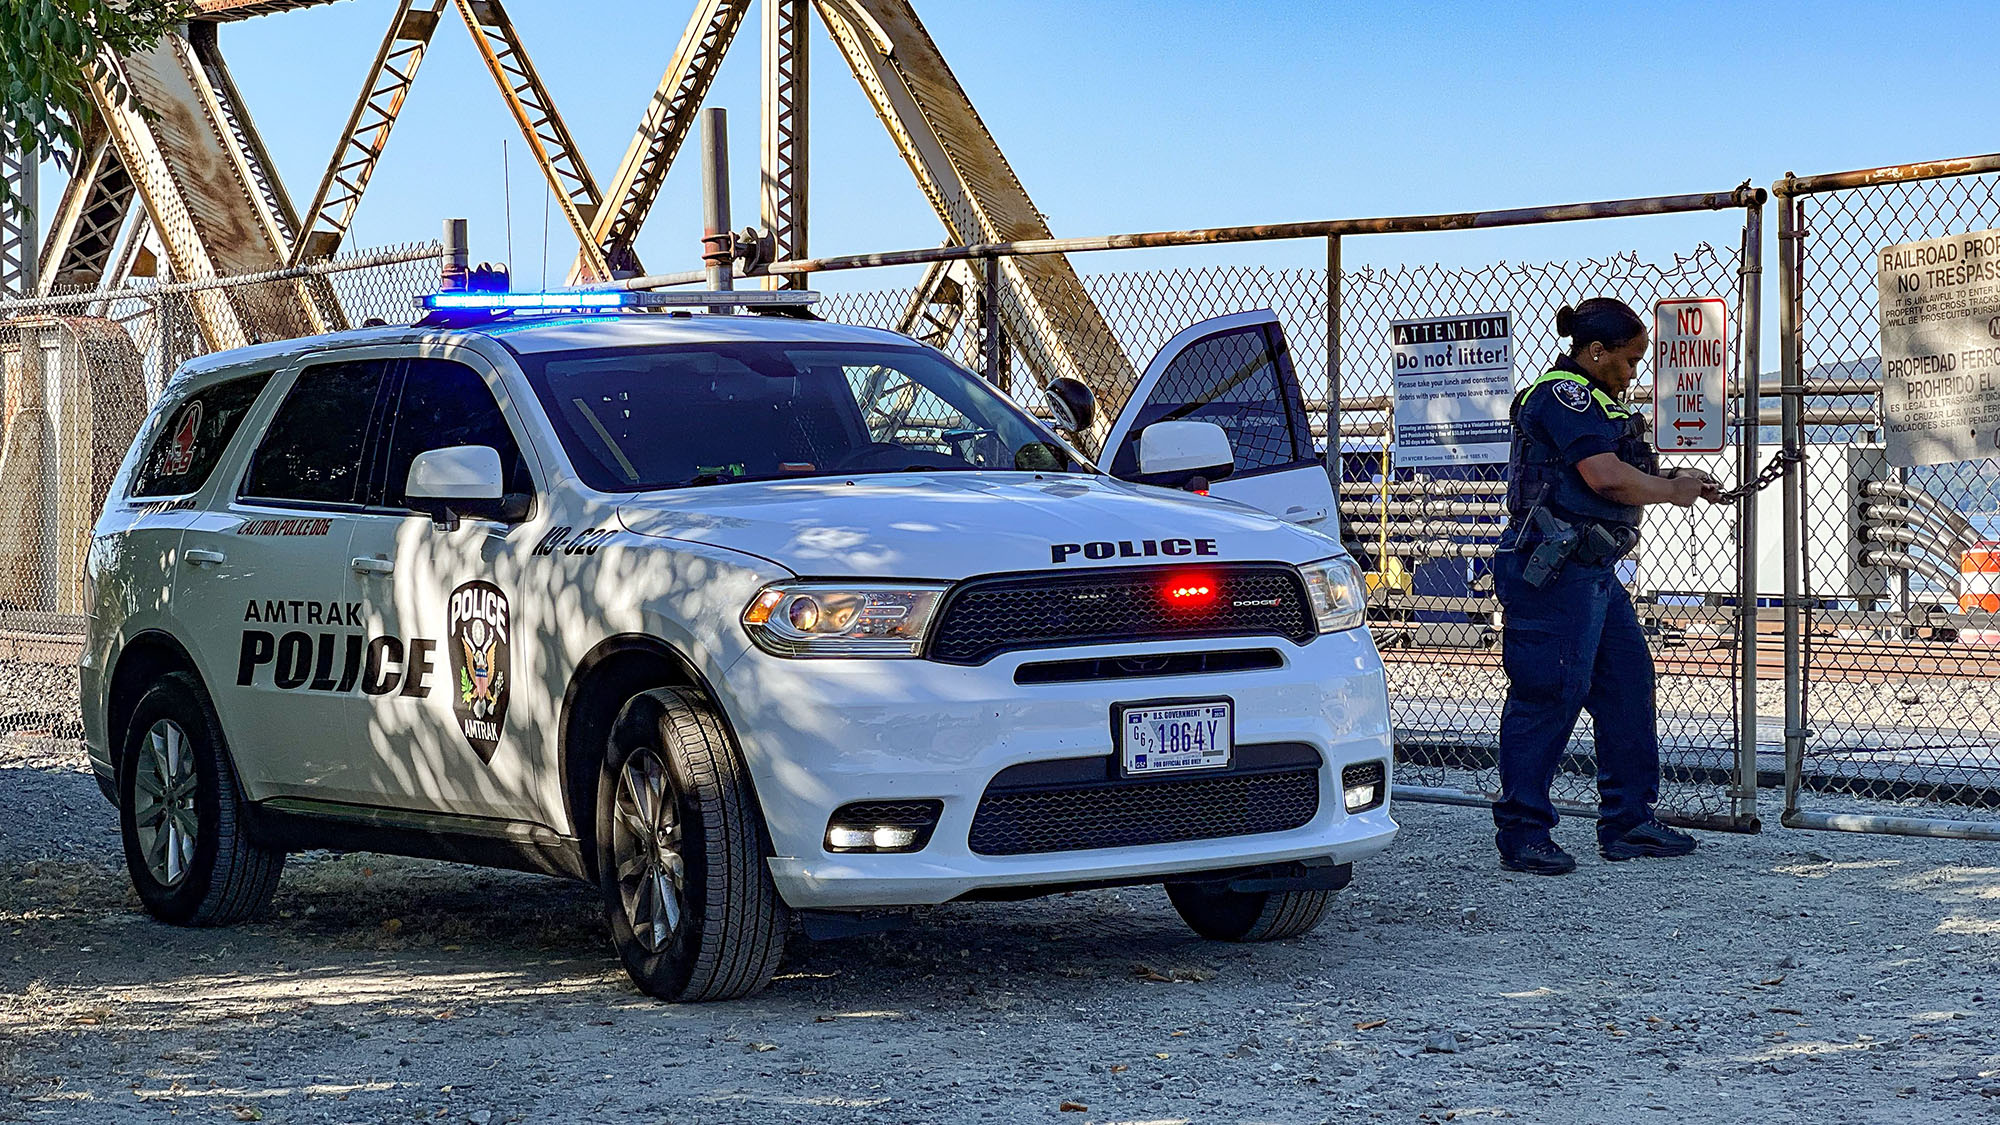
180,812
1220,914
680,865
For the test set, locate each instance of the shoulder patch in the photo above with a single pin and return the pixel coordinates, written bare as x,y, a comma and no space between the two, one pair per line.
1576,396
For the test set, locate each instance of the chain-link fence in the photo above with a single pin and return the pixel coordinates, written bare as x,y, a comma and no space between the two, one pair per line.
1426,536
81,371
1895,670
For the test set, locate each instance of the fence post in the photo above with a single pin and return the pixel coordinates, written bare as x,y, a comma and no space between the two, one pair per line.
990,343
1750,304
1335,466
1792,389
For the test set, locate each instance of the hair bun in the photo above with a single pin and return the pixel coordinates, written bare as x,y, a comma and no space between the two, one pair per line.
1565,321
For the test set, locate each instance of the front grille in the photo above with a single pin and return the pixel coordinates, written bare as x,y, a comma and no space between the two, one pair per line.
1074,805
988,616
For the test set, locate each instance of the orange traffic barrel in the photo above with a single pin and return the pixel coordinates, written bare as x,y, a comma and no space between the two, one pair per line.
1979,578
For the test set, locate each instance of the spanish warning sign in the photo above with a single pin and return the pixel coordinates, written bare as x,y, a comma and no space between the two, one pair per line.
1940,322
1690,373
1454,377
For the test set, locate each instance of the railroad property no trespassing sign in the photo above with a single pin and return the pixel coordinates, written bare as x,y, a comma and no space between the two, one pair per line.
1690,374
1939,308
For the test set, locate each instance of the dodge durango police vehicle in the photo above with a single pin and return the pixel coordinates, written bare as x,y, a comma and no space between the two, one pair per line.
743,616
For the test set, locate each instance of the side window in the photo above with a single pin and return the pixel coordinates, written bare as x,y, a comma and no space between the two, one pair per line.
193,439
1231,379
312,452
446,404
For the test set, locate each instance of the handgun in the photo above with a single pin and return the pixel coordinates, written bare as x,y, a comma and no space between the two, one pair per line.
1558,543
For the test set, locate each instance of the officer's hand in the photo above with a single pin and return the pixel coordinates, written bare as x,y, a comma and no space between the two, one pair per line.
1711,489
1688,486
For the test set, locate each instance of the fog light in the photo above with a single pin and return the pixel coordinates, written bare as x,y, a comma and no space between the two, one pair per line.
882,826
1363,785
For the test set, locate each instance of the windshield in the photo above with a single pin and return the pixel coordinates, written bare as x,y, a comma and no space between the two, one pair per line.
640,418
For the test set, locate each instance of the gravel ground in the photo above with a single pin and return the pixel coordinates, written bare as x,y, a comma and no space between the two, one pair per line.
1789,976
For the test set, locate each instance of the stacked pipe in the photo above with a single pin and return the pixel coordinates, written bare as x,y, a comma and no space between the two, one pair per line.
1425,518
1906,528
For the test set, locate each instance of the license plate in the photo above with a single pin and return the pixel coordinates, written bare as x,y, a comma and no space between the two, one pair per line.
1170,737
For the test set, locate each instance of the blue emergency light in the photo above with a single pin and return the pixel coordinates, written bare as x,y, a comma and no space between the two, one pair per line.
592,300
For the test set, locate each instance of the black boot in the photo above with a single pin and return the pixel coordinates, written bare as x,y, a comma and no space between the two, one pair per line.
1538,857
1651,840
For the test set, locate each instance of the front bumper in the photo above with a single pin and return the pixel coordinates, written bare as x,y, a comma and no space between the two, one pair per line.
819,734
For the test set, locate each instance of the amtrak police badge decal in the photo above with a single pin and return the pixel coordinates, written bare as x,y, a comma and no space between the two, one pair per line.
479,650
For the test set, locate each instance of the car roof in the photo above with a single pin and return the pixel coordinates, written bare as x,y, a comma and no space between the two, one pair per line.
531,334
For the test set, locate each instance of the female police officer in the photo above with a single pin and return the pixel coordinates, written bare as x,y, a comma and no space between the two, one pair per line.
1579,472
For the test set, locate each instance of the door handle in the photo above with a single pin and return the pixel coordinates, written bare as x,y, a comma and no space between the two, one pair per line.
367,565
200,556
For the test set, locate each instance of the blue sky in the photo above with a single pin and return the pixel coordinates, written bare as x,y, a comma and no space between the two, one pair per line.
1125,116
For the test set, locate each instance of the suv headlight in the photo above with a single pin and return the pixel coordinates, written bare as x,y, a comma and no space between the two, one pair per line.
1339,597
841,619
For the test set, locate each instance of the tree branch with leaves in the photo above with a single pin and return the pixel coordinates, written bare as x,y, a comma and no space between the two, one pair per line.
51,51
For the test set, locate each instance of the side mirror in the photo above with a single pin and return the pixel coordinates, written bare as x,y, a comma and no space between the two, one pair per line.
460,478
1175,453
1073,404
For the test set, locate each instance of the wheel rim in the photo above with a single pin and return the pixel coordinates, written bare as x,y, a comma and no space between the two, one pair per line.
163,809
646,846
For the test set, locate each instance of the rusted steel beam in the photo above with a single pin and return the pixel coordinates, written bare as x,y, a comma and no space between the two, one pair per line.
84,231
1266,232
225,11
787,115
367,133
1047,315
1794,186
19,260
663,129
253,160
549,140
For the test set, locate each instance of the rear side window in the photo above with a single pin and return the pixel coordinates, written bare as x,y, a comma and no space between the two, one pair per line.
1235,380
195,435
312,451
447,404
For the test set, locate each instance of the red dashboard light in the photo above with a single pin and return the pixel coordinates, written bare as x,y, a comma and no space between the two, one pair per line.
1189,590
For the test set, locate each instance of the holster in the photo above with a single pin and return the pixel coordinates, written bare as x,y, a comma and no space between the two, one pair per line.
1558,543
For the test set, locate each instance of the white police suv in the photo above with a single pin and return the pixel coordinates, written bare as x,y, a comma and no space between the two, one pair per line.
742,617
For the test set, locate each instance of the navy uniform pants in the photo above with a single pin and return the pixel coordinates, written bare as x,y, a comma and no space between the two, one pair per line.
1573,645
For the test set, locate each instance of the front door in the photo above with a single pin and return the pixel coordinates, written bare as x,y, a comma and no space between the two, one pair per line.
455,663
1236,372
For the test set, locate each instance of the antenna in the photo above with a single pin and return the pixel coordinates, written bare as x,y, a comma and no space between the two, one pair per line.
507,203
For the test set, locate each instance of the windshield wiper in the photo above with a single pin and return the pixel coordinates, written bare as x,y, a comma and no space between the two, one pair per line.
700,479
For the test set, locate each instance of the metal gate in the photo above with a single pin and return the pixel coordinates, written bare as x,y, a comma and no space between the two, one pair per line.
1892,651
1427,537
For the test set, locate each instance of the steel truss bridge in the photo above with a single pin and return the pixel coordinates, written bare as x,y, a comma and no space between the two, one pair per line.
187,189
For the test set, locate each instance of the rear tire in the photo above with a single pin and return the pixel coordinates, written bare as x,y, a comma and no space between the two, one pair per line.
688,898
180,812
1225,915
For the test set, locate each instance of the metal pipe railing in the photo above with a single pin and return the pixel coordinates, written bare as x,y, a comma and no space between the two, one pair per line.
1743,196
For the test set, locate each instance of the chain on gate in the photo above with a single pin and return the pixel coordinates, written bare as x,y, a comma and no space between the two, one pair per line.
1781,462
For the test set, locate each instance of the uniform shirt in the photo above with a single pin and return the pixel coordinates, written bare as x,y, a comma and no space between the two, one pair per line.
1565,422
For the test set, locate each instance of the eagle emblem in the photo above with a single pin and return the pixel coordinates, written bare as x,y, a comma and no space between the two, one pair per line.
480,622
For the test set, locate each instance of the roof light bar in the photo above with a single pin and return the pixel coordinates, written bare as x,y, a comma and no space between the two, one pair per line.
576,300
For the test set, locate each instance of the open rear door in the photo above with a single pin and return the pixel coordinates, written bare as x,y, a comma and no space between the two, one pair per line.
1236,372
